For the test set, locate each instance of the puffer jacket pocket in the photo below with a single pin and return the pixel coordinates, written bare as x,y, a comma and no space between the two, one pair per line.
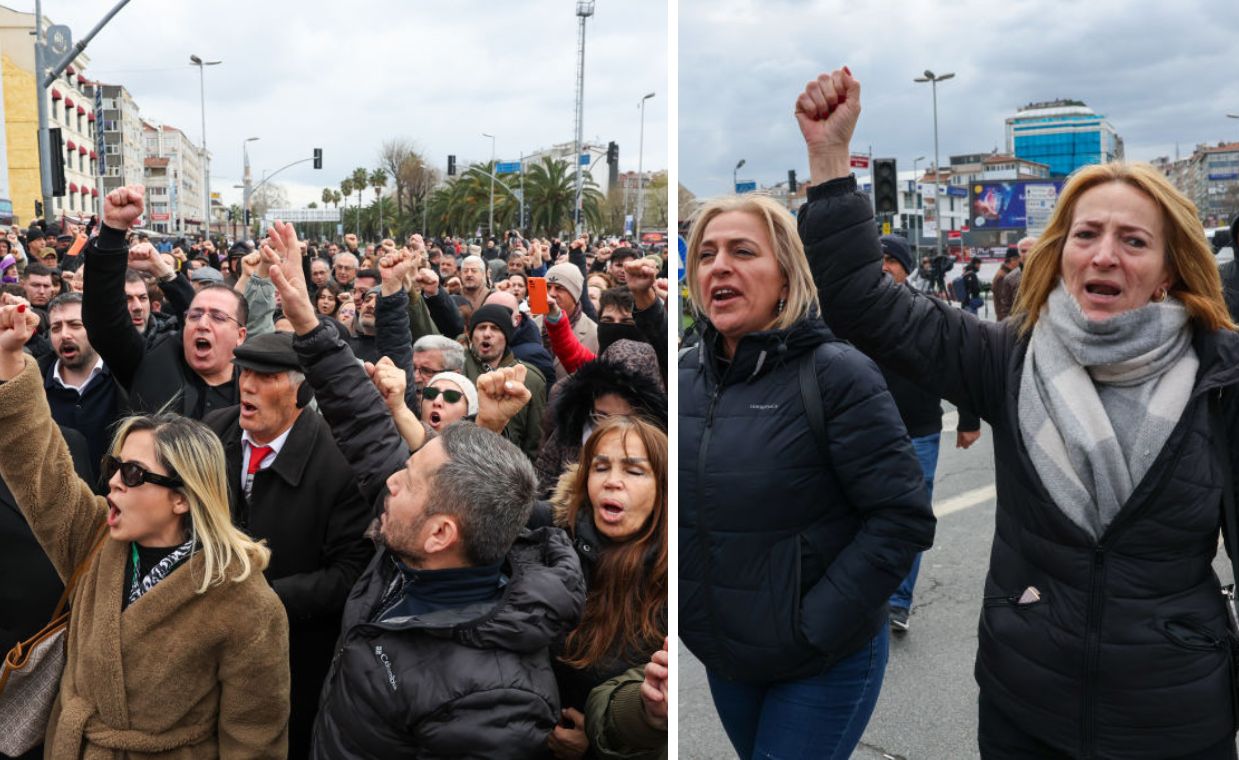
1193,636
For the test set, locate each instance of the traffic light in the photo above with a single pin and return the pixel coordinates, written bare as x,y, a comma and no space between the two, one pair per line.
451,166
318,158
38,209
247,218
56,158
232,215
613,152
791,180
885,186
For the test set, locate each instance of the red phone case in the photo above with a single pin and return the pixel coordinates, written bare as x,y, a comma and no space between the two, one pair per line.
537,296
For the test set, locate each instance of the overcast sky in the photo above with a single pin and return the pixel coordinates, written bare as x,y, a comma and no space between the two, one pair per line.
345,76
1161,72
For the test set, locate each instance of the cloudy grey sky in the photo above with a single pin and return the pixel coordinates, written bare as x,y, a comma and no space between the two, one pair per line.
345,76
1160,72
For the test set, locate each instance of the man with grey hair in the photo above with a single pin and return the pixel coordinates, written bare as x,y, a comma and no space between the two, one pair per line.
473,281
433,354
288,484
344,270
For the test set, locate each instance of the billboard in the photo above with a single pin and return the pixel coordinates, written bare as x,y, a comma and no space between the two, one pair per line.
1014,204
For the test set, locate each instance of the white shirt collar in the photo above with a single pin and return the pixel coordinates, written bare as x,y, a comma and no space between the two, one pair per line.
94,371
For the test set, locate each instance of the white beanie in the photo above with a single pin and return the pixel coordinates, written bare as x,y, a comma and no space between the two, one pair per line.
466,387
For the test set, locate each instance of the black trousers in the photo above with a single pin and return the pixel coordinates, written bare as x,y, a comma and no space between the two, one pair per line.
1000,739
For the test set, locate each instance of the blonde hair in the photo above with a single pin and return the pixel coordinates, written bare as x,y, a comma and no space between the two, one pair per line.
1193,271
191,451
788,251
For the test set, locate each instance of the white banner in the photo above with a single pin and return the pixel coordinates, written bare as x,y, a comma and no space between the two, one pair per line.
297,215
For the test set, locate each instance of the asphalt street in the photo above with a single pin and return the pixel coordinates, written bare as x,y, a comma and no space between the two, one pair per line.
927,708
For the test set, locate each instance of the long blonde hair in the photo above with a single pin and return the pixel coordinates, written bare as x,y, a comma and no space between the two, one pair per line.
788,251
1193,271
189,450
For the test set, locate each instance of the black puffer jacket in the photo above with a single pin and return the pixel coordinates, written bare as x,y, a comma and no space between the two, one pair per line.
788,553
1125,654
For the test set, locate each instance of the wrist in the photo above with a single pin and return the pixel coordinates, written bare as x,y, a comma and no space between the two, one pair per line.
389,288
11,364
643,299
165,274
827,162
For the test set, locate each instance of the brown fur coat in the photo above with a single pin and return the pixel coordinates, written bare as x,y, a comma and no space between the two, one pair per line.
177,674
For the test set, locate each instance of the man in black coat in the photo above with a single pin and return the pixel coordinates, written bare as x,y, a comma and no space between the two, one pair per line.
289,484
1230,274
190,373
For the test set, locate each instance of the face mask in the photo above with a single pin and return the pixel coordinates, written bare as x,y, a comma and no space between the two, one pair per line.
609,333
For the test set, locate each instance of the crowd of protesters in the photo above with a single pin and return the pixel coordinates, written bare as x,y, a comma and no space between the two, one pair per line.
383,500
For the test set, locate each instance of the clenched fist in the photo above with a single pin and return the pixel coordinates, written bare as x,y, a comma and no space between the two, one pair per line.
123,206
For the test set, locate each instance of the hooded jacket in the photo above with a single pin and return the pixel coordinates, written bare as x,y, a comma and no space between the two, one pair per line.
788,553
1125,652
628,369
470,682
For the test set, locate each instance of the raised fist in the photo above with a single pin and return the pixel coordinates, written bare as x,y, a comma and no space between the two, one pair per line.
428,281
389,380
123,206
501,394
144,258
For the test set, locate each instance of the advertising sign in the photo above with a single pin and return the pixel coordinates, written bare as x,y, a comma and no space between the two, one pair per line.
746,187
1014,205
858,162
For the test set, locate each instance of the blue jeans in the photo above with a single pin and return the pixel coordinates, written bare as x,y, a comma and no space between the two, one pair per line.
823,716
927,452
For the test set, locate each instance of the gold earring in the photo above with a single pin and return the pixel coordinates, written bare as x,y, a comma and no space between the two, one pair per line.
1159,295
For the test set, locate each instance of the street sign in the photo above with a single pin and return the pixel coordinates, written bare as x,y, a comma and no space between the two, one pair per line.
746,187
886,228
957,192
858,162
510,167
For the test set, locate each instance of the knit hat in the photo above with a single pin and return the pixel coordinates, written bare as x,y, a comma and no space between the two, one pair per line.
897,248
566,276
466,387
499,316
475,250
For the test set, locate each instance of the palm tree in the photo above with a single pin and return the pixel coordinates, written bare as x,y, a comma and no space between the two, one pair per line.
360,179
550,192
378,180
346,187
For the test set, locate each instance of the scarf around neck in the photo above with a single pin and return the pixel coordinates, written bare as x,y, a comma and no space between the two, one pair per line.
1098,399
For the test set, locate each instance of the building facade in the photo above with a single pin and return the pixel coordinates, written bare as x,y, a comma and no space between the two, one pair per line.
1210,178
122,149
70,108
172,171
1062,134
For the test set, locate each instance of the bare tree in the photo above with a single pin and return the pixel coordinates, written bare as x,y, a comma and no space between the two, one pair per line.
267,197
392,156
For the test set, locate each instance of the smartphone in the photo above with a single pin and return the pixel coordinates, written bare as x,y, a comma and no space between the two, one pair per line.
537,296
78,244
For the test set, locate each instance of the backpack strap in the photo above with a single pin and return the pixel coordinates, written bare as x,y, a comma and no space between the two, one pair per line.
811,395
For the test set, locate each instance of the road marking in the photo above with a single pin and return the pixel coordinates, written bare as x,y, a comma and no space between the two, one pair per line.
965,500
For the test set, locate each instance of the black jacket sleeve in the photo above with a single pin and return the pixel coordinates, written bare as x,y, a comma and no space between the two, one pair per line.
108,325
949,352
178,292
391,331
653,324
353,408
576,256
877,469
446,316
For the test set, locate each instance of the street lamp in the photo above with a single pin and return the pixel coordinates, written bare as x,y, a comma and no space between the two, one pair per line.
640,164
206,169
921,217
933,82
490,228
245,175
735,182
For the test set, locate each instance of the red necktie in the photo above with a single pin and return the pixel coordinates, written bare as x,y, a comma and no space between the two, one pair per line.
257,454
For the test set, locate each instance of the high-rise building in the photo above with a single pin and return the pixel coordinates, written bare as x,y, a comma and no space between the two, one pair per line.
1064,135
122,146
172,170
1210,178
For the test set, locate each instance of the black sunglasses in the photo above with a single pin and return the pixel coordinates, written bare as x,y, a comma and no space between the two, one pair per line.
133,474
451,397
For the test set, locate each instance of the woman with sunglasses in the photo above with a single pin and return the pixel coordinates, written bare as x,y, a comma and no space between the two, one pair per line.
177,646
448,397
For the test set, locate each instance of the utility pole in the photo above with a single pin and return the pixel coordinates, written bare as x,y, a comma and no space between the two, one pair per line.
934,80
640,176
490,226
58,42
584,9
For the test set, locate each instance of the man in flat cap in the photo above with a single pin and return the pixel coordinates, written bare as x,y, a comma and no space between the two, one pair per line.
289,484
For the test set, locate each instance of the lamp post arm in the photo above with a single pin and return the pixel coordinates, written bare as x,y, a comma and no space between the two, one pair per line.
70,56
271,176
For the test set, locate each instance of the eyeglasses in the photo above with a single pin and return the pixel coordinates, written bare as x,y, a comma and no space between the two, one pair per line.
431,393
133,474
217,316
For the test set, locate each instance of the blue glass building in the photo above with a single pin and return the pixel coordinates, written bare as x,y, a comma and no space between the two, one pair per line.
1063,134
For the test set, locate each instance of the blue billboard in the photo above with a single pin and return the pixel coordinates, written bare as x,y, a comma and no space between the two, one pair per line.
1014,204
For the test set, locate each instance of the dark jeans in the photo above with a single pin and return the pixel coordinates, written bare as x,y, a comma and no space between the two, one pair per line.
823,716
1000,739
926,448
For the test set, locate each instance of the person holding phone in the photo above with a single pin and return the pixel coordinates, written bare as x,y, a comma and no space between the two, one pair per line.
1112,394
802,504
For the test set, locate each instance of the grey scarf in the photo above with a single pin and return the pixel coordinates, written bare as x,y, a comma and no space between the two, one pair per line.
1098,399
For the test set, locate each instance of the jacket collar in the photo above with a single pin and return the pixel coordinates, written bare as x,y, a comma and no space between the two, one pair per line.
760,352
294,457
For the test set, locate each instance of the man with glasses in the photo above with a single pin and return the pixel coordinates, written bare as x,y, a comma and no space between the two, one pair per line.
433,354
344,270
194,373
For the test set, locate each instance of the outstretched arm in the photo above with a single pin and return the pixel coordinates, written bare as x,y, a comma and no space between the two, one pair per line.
108,325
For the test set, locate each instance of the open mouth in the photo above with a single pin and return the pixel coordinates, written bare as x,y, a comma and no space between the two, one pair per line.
248,409
202,346
113,514
436,420
610,512
1103,289
68,352
724,295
